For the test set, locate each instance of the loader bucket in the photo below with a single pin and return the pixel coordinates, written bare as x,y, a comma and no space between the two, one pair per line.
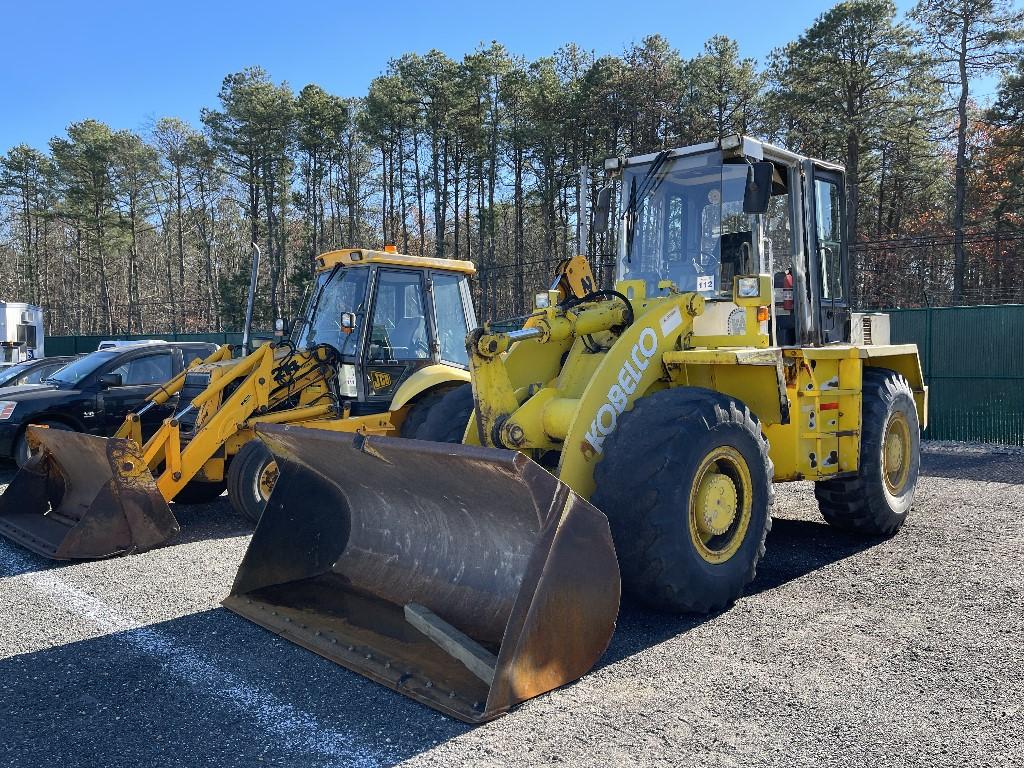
82,497
467,578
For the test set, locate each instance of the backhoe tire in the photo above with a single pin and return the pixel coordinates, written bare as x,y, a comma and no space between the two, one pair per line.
199,492
251,477
686,483
877,500
446,421
419,410
21,452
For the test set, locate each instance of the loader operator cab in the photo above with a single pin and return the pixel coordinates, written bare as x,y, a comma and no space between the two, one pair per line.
386,315
688,223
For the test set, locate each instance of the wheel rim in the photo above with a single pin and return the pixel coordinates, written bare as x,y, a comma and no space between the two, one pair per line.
720,504
264,481
896,444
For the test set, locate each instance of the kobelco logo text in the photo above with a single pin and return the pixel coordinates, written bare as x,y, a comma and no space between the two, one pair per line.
628,379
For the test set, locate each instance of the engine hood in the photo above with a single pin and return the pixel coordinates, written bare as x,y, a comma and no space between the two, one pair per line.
34,393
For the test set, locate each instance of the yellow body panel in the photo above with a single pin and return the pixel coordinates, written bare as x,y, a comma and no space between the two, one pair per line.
566,389
427,378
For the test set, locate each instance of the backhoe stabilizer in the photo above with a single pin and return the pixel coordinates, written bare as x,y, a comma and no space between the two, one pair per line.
84,497
467,578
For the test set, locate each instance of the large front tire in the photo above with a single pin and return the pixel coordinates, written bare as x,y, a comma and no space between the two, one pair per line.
877,500
686,484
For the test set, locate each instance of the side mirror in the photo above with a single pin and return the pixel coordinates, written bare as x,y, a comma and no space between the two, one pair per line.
348,322
108,380
602,206
758,191
281,327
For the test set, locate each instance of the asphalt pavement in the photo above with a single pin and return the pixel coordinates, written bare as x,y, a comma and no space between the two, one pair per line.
846,651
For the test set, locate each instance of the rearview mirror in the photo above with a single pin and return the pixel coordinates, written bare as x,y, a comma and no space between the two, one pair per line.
281,327
602,206
108,380
758,191
348,322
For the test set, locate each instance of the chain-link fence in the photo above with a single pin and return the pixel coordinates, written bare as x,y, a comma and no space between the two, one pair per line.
918,271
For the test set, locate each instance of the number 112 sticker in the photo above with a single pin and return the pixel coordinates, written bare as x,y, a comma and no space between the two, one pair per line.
705,282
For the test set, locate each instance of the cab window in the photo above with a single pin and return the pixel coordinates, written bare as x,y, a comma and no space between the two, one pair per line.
399,329
450,314
828,204
149,369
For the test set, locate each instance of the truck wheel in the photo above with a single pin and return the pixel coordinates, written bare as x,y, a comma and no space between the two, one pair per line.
252,475
446,421
418,411
199,492
21,451
686,483
877,499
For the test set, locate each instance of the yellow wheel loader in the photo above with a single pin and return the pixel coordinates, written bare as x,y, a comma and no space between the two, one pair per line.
380,341
655,415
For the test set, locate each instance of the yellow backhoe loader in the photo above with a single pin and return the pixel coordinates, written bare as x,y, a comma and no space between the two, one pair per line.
380,341
472,577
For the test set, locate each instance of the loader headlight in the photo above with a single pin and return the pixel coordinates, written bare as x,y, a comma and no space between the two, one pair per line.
747,287
541,300
7,409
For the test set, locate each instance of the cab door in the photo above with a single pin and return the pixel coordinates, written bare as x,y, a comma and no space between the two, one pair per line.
141,375
453,316
828,268
398,339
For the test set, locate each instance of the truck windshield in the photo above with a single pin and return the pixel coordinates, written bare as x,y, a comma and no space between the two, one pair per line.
75,371
683,221
335,292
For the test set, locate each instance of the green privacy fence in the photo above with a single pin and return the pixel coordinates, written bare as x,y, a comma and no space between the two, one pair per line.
973,361
73,345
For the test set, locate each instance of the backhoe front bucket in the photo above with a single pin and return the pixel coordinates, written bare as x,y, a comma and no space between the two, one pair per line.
468,578
82,497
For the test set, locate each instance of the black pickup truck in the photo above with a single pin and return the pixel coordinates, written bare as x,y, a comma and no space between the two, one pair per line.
95,393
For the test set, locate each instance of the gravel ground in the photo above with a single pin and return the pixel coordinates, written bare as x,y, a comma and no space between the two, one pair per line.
875,653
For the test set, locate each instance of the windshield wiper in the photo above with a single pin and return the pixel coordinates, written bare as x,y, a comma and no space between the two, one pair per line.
636,193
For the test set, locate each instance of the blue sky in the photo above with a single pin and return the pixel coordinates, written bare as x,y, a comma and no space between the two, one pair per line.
127,63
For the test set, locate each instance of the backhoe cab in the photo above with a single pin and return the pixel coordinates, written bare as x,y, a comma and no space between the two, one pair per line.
725,358
380,340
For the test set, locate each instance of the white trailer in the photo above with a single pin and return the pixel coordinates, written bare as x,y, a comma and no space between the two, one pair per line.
21,332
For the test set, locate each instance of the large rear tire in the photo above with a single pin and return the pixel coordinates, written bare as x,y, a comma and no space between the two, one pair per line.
686,484
877,500
419,411
446,421
252,475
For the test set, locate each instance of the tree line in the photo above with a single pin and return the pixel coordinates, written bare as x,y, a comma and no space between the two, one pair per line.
118,231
